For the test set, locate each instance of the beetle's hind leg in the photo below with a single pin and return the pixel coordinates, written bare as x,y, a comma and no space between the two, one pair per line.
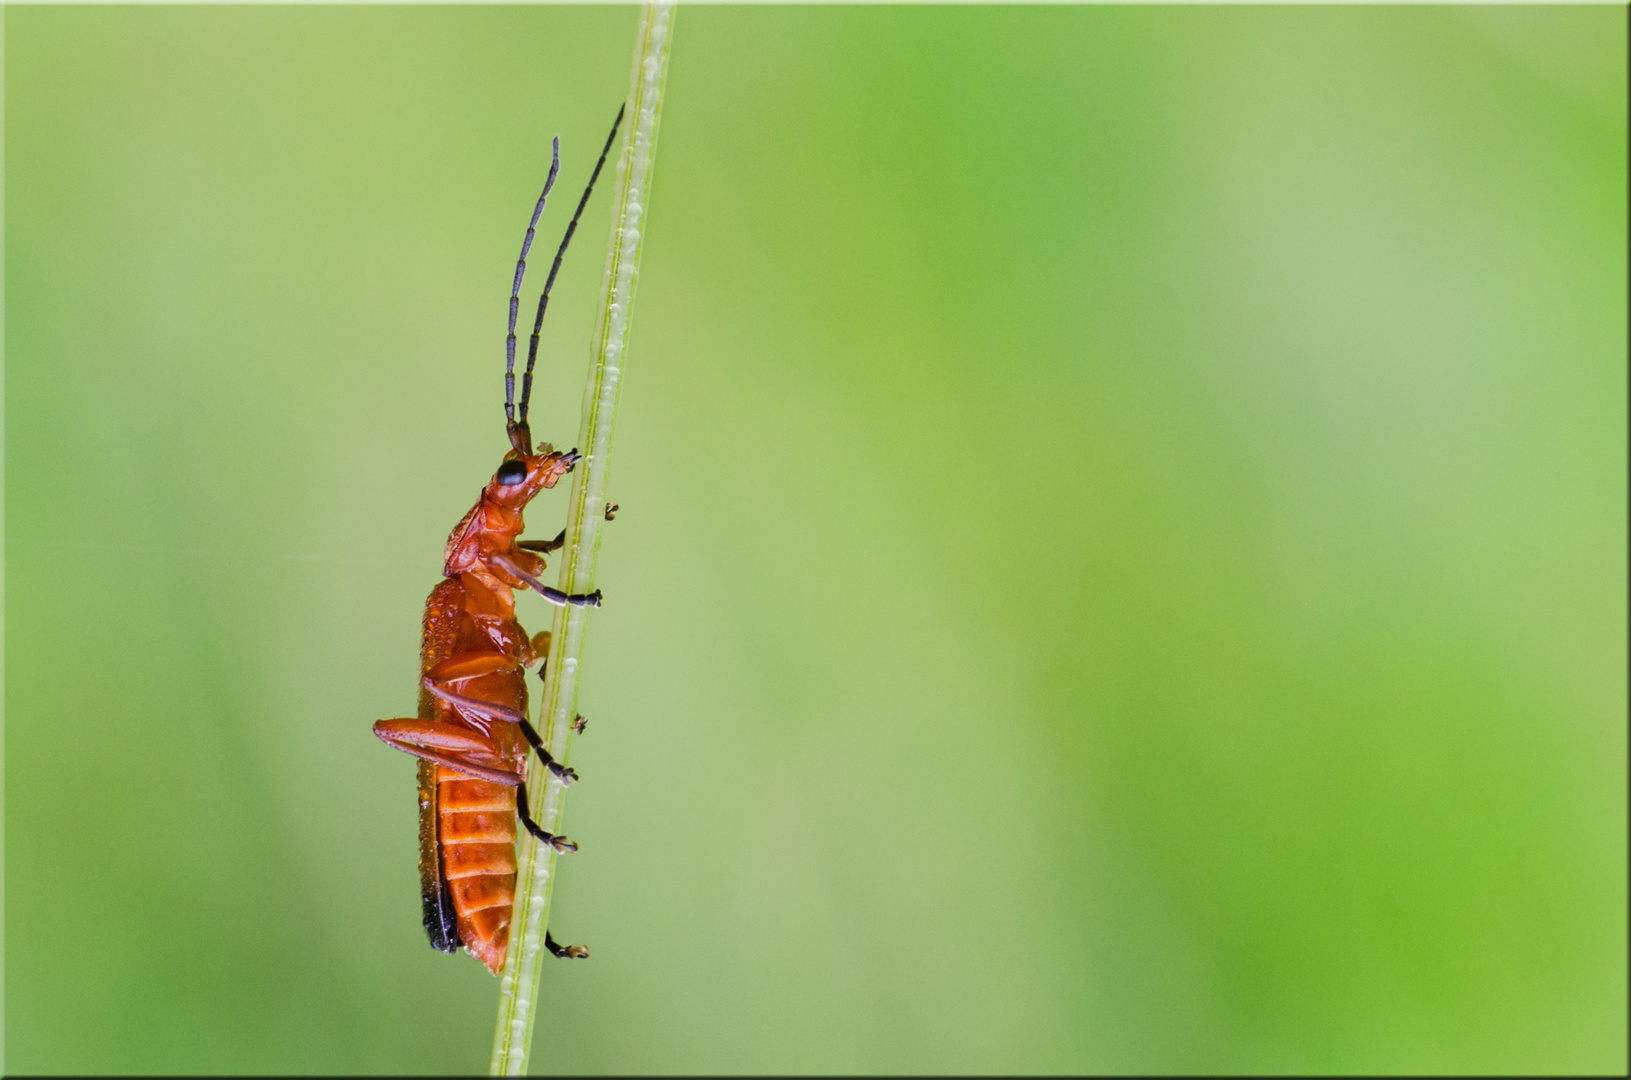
574,952
452,745
559,843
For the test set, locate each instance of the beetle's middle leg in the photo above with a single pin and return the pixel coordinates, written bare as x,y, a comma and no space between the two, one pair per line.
470,665
553,595
467,705
556,769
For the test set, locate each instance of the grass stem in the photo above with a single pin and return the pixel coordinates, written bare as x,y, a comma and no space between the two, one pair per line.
517,1009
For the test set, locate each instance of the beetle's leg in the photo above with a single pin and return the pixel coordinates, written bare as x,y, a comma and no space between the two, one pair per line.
409,734
489,600
559,843
575,952
611,512
505,634
540,650
556,769
467,704
554,596
526,561
544,547
446,744
468,666
579,723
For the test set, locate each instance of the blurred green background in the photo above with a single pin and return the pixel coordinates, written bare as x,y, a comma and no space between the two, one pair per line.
1122,563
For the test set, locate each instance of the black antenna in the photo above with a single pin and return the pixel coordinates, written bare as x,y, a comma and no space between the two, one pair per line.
543,299
515,290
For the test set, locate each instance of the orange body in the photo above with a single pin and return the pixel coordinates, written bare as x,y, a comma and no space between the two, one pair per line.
472,734
472,700
467,825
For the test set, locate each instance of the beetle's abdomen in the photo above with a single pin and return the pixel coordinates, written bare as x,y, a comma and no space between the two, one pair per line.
477,819
467,831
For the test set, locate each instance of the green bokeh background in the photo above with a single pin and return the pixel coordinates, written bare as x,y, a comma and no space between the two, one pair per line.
1122,563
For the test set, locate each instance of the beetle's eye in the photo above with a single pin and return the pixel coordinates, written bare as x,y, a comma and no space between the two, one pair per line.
511,473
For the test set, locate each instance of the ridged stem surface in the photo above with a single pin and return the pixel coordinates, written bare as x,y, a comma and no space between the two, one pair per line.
517,1009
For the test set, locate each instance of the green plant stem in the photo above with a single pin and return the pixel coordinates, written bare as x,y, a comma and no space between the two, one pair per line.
517,1007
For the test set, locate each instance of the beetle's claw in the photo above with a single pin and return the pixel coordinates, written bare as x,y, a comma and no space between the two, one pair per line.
565,952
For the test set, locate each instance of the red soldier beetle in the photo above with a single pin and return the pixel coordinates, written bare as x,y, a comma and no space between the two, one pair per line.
472,735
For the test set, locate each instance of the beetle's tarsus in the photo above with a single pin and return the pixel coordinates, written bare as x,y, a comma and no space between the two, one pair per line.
579,723
564,952
559,843
556,596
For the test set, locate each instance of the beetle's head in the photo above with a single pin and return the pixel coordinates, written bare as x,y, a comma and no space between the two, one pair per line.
520,475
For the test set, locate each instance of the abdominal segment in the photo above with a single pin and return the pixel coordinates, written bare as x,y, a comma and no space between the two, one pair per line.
477,820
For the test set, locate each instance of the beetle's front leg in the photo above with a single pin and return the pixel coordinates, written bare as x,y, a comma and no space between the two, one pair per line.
543,547
531,566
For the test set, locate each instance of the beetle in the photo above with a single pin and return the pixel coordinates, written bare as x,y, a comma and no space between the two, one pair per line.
472,736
